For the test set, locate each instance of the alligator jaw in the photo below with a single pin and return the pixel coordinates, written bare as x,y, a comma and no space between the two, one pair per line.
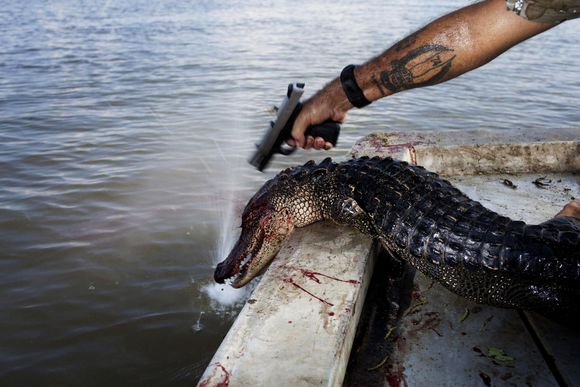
255,248
237,262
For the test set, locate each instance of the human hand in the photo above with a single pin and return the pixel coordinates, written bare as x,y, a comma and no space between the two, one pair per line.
571,209
329,103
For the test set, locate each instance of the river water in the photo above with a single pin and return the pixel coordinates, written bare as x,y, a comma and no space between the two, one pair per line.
124,130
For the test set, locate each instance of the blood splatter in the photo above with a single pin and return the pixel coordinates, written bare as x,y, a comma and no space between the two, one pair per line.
313,276
403,146
225,382
291,281
396,377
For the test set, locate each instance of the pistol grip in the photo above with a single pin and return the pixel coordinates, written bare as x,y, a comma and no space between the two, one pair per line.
328,130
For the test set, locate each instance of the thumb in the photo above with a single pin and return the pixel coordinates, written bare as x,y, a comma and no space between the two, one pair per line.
339,116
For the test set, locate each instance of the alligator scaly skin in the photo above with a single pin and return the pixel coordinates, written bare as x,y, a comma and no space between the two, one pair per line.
471,250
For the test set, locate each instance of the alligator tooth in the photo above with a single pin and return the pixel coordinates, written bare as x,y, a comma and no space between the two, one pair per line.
245,261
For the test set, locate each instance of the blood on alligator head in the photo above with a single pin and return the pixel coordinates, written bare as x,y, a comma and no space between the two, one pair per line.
285,202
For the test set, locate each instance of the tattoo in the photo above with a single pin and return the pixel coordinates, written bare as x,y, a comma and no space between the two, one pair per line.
378,85
421,66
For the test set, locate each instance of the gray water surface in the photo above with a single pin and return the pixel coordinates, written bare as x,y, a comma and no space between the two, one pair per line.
124,130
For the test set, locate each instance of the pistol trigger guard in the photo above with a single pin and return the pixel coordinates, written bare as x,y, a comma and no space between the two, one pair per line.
286,150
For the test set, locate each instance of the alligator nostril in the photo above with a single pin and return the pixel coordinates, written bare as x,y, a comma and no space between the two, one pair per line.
218,275
218,278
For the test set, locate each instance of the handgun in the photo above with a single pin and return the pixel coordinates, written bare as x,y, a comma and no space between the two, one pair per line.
280,129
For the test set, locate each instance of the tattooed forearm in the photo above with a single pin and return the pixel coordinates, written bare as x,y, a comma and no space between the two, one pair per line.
421,66
378,85
406,42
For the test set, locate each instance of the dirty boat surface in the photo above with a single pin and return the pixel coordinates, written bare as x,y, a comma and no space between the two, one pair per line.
334,309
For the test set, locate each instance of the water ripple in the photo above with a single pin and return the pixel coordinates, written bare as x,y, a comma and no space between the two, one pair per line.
124,133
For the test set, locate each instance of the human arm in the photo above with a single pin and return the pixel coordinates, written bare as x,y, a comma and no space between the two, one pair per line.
444,49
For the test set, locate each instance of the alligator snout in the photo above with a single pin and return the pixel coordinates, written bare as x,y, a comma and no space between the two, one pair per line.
220,273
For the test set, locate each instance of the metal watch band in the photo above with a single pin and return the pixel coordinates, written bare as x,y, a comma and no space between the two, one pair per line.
351,89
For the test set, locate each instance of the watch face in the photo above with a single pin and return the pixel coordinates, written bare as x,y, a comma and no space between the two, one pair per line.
545,11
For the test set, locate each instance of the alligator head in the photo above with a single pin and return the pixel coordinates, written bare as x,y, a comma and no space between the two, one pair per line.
287,201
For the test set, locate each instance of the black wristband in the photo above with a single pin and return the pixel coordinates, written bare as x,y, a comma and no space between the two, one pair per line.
351,89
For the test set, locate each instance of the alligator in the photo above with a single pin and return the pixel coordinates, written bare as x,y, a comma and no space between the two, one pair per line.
422,219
